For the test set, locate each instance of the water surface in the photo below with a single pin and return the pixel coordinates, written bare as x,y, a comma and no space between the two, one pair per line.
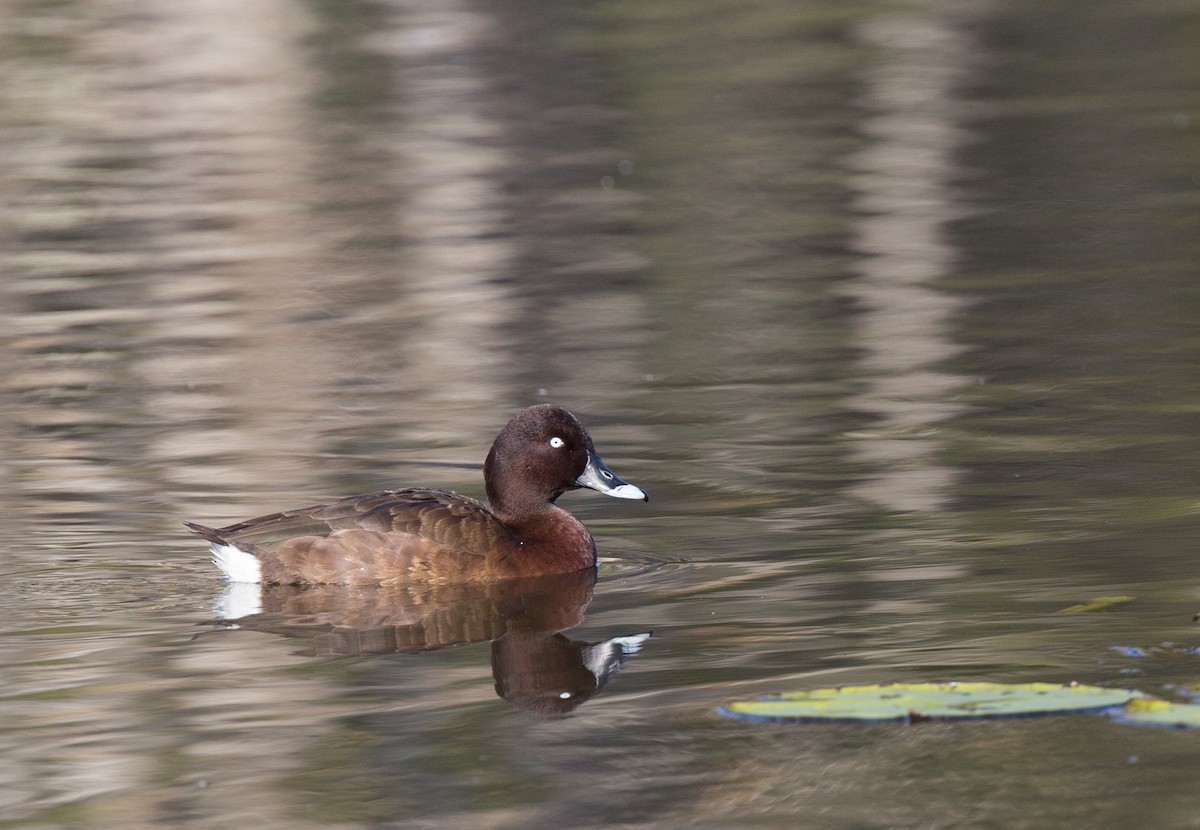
891,308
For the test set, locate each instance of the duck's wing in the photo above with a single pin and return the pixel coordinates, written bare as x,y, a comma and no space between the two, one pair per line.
439,516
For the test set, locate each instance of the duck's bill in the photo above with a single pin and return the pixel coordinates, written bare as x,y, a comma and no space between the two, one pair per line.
597,476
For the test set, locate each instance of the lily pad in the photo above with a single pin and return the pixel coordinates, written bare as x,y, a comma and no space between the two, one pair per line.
909,702
1154,712
1095,605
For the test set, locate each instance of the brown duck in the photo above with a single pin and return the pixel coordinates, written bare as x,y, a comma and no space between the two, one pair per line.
419,534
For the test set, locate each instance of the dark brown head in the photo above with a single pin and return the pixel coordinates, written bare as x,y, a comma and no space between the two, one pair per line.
540,454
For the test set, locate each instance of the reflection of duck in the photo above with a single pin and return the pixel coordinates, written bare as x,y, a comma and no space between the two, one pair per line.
551,675
534,666
400,536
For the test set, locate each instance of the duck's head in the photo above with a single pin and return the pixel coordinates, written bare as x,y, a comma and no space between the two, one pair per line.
540,454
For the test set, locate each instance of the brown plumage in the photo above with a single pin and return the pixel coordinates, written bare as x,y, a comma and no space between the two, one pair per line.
395,536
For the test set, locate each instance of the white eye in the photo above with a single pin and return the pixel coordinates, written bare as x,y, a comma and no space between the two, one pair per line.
556,442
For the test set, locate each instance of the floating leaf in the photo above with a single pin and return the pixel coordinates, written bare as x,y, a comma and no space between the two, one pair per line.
1154,712
1094,605
924,701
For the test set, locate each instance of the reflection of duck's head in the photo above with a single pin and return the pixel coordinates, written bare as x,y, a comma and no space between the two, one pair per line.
400,536
534,666
550,675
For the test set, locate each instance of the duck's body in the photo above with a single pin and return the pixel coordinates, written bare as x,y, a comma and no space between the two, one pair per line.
396,536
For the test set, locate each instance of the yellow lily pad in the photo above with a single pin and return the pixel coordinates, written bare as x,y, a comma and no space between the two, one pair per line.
1095,605
909,702
1154,712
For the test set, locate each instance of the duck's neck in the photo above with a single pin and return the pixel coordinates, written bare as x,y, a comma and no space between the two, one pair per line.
508,491
514,510
557,533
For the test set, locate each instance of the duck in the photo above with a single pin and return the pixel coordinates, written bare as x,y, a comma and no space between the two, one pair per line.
427,535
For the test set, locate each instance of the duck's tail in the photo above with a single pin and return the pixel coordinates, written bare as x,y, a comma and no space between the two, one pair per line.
237,565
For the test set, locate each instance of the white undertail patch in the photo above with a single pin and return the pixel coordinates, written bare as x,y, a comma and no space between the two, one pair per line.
236,564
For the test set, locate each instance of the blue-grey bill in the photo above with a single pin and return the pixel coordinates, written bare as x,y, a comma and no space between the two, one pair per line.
597,476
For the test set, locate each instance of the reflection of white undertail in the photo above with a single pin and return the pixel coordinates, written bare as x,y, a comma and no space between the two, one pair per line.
239,599
236,564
